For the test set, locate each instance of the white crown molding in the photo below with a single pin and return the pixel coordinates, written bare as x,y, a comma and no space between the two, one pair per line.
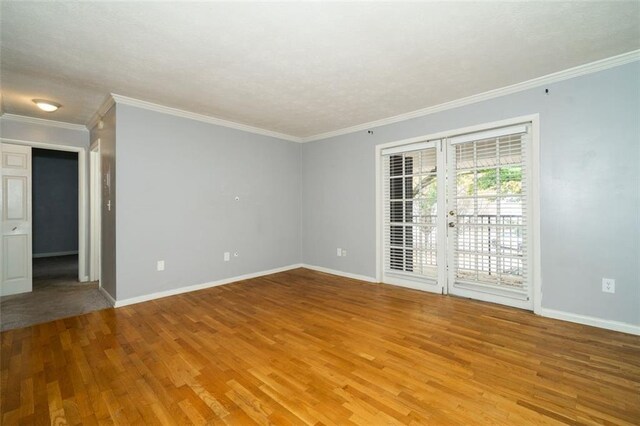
580,70
102,110
119,99
43,122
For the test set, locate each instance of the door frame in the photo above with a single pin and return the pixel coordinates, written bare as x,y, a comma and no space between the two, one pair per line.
83,206
534,119
95,211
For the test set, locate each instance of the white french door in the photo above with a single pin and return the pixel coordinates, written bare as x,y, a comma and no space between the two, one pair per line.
457,216
488,193
413,219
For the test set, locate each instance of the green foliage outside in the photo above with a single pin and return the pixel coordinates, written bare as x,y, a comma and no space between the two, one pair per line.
510,183
510,180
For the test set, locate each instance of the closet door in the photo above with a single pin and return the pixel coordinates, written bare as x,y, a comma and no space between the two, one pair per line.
15,214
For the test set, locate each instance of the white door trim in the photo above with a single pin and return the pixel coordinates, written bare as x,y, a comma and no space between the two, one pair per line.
534,119
83,276
95,219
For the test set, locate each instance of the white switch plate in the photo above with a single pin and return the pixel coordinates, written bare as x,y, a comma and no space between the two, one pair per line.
227,256
160,265
344,252
608,285
339,252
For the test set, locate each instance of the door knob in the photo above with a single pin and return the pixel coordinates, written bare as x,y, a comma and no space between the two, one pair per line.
452,213
452,224
14,228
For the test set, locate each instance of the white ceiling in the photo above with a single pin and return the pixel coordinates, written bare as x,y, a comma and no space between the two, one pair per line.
295,68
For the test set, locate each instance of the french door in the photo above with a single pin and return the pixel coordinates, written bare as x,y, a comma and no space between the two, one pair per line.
413,216
456,216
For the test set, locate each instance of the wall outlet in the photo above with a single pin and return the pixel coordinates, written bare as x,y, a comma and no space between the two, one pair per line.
339,252
608,285
344,252
160,265
227,256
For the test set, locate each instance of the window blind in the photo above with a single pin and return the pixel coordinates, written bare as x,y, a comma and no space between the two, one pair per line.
410,211
488,196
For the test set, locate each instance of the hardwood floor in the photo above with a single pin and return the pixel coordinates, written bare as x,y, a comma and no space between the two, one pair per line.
302,347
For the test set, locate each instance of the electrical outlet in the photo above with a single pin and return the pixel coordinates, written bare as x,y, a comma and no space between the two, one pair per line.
160,265
236,254
339,252
344,252
227,256
608,285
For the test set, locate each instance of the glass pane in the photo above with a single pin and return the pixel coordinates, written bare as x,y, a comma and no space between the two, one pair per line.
395,188
396,211
486,153
511,180
487,181
465,184
465,156
395,165
510,148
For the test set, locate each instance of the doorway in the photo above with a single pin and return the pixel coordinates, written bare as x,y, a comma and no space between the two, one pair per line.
457,214
64,269
55,217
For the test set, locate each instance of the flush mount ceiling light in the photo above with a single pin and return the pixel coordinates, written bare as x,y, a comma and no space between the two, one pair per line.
45,105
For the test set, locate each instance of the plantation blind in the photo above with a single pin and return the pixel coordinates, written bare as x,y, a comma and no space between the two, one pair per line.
488,199
410,210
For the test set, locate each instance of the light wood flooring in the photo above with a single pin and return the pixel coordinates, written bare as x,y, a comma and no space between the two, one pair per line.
302,347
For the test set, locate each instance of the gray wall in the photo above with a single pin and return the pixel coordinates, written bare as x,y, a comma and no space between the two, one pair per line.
589,201
107,136
177,183
54,201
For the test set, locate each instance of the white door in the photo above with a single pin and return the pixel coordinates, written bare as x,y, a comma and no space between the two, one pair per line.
413,202
488,216
15,208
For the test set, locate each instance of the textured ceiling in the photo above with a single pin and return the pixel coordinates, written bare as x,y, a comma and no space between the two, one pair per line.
295,68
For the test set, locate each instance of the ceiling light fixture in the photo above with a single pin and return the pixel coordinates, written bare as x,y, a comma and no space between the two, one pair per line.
45,105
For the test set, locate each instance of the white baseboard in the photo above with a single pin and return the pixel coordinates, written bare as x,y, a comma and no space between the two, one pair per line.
172,292
340,273
53,254
587,320
107,295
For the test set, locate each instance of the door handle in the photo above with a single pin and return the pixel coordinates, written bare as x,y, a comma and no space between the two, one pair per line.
452,213
14,228
452,224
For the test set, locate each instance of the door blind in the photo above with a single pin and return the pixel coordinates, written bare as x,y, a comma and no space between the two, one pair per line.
410,212
488,201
